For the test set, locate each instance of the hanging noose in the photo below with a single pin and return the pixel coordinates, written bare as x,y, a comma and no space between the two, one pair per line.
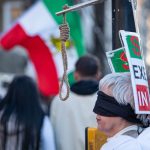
64,36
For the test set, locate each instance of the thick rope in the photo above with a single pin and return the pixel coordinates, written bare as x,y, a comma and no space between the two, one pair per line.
64,36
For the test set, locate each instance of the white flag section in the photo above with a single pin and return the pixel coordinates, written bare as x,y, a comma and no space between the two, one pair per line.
37,32
131,42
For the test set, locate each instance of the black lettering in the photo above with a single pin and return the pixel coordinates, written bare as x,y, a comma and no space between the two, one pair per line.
141,71
144,74
135,69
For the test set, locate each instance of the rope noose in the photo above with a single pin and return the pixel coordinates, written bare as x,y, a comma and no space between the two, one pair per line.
64,36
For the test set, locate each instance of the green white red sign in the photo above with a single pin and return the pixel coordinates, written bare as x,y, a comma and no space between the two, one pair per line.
117,60
131,43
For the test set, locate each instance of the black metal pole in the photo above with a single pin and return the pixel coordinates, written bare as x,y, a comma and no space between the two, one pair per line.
99,49
122,19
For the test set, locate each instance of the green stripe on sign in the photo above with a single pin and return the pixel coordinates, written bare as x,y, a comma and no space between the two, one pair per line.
134,46
119,61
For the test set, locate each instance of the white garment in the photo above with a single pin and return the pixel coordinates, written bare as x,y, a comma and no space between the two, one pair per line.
47,137
122,142
70,118
144,139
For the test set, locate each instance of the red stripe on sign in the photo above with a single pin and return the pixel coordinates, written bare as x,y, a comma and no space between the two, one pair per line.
143,98
39,54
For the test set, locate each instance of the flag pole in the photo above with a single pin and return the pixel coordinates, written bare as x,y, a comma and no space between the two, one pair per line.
79,6
134,7
122,19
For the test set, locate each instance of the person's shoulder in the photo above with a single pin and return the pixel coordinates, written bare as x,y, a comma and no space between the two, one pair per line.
57,104
72,97
145,134
144,139
121,139
145,131
122,142
90,97
57,101
128,143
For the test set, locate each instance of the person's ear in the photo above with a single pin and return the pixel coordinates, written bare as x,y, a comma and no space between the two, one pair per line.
76,76
98,76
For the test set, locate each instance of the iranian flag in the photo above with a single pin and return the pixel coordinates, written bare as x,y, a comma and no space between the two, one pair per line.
37,31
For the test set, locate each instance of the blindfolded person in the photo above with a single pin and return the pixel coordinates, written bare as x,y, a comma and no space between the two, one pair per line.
115,113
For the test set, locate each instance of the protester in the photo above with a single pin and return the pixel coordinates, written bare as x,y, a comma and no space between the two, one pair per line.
71,117
115,113
23,124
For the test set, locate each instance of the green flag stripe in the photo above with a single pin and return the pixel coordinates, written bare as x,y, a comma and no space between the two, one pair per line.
73,18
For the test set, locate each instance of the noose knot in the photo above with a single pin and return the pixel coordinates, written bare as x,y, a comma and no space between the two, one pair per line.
64,32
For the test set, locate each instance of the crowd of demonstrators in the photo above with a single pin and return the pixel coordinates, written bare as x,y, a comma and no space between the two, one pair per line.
70,118
116,114
23,124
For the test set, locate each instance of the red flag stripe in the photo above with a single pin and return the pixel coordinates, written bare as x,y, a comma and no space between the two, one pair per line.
39,54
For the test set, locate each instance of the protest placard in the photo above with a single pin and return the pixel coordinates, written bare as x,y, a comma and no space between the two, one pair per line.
131,43
117,60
